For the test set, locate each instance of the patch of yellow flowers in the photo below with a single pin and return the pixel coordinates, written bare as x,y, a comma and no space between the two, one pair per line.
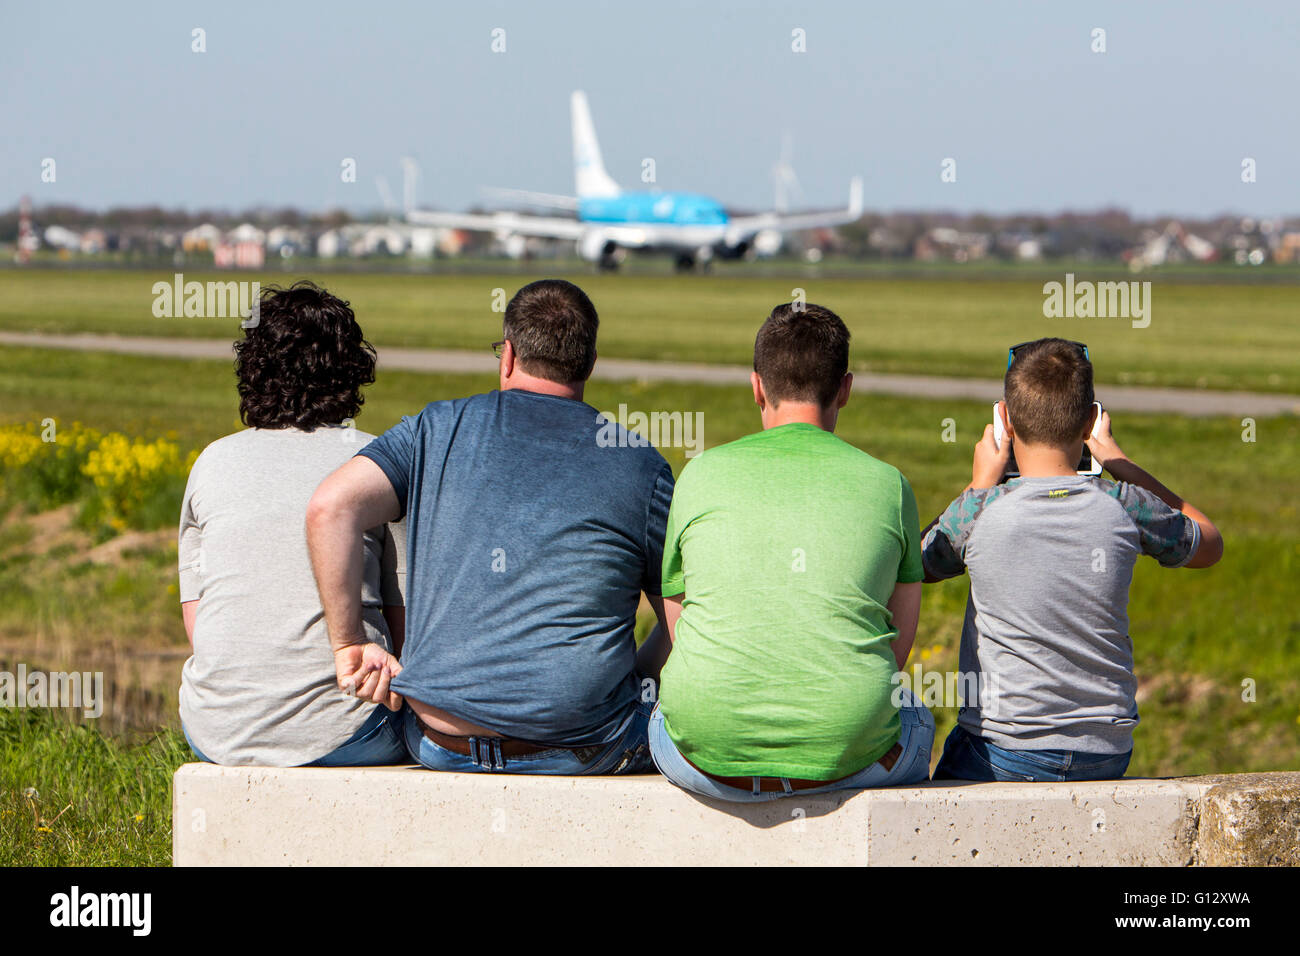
127,474
21,444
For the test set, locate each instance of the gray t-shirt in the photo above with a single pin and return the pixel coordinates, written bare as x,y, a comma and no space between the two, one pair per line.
1046,630
260,688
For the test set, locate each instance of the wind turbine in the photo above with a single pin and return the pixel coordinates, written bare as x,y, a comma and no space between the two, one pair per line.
784,180
385,194
410,173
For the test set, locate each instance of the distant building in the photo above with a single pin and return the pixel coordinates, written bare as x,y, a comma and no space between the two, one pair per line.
201,238
382,240
239,255
284,241
1288,248
246,232
59,237
330,244
1172,244
944,242
93,241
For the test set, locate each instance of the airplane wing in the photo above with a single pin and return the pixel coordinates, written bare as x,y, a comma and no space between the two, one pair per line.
549,200
590,236
502,223
741,227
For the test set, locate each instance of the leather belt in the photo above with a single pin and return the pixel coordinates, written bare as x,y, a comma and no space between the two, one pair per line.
774,785
507,746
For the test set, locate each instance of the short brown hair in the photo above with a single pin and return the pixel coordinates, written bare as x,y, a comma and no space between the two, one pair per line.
552,326
801,354
1049,392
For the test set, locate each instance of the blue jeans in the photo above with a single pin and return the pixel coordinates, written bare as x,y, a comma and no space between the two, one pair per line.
967,756
376,743
627,753
912,766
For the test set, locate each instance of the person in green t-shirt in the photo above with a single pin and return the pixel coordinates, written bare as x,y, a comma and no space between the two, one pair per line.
792,583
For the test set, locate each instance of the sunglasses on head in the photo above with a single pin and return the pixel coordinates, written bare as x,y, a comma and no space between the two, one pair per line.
1011,352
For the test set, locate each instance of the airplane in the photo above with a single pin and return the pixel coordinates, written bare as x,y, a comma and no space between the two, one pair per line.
605,220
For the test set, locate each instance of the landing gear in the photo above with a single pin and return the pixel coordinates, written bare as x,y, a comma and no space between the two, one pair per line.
703,257
611,257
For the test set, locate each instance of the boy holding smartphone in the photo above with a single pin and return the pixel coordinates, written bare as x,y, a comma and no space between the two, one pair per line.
1051,556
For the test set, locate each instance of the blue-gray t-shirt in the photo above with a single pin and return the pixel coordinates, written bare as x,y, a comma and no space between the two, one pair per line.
531,535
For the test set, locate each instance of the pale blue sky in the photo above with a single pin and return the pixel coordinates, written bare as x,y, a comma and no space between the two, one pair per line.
1036,121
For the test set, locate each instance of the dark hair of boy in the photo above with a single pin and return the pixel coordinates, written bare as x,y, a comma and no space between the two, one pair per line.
1048,391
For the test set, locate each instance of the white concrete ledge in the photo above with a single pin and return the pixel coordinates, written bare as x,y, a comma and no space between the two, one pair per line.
410,816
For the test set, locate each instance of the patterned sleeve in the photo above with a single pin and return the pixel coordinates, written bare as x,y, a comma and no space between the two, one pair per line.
1167,535
943,550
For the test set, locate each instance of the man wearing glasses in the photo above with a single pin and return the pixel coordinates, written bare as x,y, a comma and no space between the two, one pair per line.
529,545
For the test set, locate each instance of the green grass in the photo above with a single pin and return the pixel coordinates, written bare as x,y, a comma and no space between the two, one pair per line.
71,796
1220,336
1198,634
60,602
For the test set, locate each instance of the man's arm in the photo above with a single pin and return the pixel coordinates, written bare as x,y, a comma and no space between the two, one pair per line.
1107,451
905,607
355,497
652,654
189,556
189,613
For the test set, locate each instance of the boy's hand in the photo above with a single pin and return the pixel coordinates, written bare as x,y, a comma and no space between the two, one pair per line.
1103,446
990,460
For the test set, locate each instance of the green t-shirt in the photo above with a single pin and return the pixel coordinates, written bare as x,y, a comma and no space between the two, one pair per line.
787,545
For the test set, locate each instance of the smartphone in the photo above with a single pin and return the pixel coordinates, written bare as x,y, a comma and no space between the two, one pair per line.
1087,464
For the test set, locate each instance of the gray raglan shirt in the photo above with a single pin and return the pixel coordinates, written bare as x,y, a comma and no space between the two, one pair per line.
1046,629
260,686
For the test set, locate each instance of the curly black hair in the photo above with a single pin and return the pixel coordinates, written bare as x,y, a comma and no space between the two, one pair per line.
303,363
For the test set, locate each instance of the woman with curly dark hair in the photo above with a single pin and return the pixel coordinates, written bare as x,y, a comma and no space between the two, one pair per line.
260,685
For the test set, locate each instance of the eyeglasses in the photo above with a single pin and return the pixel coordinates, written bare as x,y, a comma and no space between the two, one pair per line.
1011,352
497,347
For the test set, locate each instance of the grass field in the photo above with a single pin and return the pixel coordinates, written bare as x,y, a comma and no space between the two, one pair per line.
1201,335
72,796
1198,635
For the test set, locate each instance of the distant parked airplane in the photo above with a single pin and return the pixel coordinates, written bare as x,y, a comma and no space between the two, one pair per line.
607,220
